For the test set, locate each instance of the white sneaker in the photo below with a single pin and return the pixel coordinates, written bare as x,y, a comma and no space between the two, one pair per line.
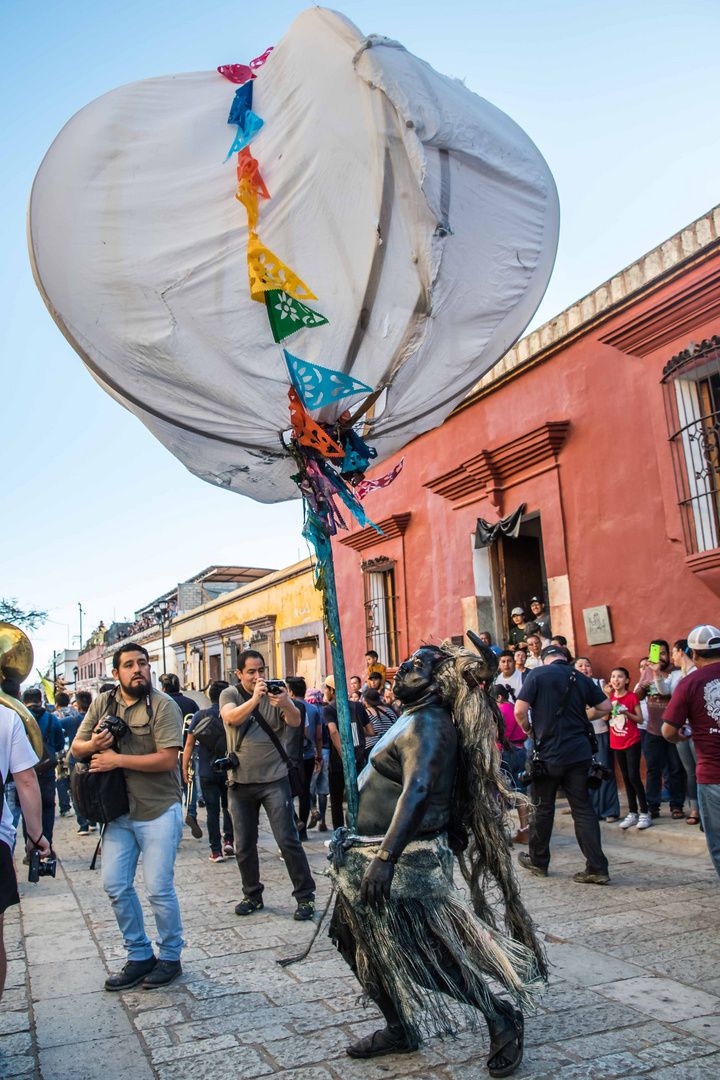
644,822
630,820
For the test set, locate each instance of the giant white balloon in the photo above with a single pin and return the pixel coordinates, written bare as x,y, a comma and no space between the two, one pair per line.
423,219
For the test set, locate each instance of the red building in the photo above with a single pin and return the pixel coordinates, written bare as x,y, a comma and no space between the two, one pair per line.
604,424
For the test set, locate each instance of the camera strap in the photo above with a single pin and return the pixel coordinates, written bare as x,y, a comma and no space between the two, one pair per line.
263,724
112,703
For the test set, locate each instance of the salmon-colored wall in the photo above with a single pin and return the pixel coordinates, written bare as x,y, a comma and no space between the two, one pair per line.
609,511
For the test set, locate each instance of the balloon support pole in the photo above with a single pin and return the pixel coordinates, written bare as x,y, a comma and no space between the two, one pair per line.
341,692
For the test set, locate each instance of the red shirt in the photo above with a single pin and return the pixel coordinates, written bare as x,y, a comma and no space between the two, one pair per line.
621,740
697,701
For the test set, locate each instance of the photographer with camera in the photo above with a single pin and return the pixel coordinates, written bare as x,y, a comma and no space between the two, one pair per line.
17,757
53,738
560,698
257,714
147,726
207,746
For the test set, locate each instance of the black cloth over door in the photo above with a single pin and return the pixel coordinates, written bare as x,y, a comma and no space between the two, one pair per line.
487,532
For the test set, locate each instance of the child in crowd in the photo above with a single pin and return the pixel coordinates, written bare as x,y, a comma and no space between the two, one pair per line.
513,761
520,659
625,720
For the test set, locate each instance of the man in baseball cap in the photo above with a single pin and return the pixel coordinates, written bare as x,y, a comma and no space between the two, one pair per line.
517,630
694,712
561,700
704,638
540,616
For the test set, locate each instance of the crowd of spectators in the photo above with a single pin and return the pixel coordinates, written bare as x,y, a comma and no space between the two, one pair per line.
660,706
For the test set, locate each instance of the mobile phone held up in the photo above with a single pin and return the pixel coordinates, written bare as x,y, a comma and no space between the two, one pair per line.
654,654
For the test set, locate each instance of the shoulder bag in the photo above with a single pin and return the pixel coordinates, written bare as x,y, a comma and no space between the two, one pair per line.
102,796
296,781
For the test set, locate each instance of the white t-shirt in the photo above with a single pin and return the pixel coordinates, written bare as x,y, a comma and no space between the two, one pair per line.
514,682
16,755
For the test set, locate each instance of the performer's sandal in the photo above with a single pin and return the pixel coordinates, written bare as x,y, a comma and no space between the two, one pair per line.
506,1047
383,1042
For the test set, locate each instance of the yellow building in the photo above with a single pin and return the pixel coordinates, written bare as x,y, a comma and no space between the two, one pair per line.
280,615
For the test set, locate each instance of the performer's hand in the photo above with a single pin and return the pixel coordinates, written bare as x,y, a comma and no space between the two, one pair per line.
375,887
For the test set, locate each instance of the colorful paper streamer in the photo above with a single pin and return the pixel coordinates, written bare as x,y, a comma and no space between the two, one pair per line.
248,168
287,315
268,272
318,386
365,486
307,432
260,60
237,73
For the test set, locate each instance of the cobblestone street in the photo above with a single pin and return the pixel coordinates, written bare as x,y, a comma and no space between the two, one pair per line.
635,982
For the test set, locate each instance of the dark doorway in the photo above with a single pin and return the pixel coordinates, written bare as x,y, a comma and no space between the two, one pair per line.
519,569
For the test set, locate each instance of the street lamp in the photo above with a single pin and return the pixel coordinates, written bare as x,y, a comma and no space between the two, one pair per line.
160,610
75,673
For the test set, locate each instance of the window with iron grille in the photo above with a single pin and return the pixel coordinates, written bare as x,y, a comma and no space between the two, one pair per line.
691,388
380,610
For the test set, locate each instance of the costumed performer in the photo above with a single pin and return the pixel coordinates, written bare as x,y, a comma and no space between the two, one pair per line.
433,782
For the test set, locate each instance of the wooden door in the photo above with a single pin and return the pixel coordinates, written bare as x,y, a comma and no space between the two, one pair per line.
520,573
305,661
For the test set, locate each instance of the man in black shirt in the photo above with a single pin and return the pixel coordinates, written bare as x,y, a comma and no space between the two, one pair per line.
559,697
188,709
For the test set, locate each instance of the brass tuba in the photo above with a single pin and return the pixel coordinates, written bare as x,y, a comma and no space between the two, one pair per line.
16,661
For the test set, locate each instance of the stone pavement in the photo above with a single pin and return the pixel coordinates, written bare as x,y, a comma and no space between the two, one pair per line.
634,991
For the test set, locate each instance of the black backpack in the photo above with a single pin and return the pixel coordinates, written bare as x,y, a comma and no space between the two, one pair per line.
49,759
102,796
209,731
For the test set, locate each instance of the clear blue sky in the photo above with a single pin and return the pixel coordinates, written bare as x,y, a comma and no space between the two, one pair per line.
620,97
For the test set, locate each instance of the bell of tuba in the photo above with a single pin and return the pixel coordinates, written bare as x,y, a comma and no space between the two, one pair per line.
16,661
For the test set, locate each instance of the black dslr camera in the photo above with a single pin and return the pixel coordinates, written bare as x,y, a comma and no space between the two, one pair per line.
117,727
224,764
533,769
40,867
597,773
275,686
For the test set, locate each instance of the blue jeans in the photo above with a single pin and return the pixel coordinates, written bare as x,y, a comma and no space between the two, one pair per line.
605,799
46,784
513,764
709,799
63,793
662,757
688,757
214,792
123,841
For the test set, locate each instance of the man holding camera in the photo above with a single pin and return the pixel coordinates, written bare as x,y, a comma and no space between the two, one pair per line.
257,714
560,698
17,757
150,736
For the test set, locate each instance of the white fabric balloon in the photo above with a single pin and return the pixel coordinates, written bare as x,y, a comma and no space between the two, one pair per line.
423,219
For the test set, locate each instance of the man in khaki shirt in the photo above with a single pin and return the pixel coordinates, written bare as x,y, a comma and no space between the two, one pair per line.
260,779
148,756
